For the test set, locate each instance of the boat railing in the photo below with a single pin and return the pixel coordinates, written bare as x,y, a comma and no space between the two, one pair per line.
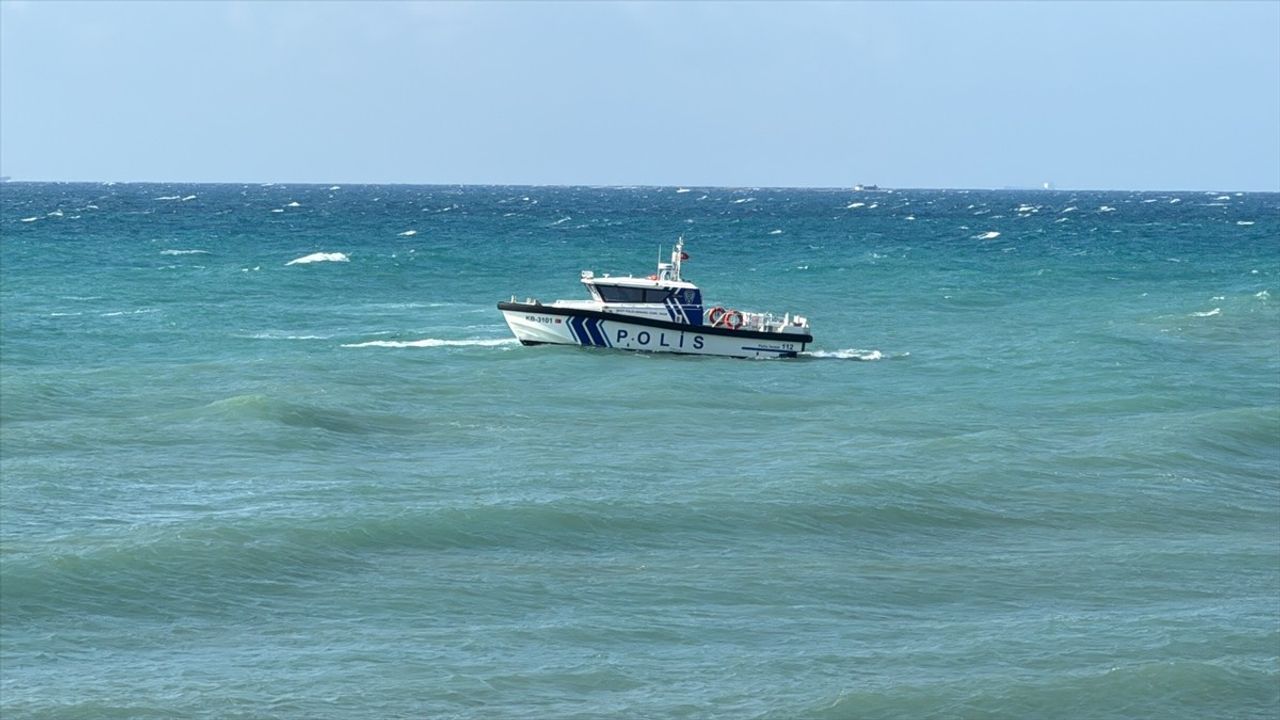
769,322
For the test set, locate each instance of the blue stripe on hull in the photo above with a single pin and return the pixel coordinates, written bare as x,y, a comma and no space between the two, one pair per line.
588,331
597,335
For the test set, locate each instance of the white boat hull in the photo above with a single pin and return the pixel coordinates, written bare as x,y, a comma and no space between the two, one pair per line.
539,324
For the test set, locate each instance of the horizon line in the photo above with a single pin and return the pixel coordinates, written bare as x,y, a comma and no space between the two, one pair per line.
8,180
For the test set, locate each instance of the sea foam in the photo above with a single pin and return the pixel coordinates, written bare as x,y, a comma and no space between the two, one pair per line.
845,354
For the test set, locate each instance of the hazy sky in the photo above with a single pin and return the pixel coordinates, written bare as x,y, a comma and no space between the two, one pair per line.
1173,95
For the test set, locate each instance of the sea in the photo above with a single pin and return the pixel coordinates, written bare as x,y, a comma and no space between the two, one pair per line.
269,451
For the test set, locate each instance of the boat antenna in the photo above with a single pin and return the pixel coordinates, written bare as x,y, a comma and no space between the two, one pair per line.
677,254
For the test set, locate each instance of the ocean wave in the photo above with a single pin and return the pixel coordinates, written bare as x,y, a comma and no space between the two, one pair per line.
989,235
243,411
211,554
185,252
434,342
1207,313
320,257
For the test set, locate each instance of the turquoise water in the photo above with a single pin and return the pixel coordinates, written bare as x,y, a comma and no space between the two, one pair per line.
1032,474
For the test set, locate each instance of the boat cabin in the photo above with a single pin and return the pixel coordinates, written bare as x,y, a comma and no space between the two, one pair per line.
682,300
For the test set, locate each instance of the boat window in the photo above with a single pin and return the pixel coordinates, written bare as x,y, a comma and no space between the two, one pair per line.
617,293
655,296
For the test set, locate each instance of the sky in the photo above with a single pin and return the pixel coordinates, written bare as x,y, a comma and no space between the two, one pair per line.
1083,95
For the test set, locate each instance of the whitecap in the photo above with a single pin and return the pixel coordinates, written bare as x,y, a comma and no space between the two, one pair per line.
1073,208
319,257
170,197
853,205
1210,313
1264,295
682,190
989,235
295,203
1244,223
1223,197
30,219
184,252
189,197
278,210
335,187
742,200
1175,201
564,219
433,342
776,232
1106,208
408,233
55,213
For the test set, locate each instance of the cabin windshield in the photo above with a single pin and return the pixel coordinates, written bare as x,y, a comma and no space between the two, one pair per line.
623,294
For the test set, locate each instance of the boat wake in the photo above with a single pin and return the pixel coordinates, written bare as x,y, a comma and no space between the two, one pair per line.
434,342
851,354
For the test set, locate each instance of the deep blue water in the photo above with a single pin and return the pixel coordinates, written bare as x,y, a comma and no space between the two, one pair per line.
1031,468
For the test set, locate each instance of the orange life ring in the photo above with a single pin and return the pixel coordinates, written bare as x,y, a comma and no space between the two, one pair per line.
728,319
715,315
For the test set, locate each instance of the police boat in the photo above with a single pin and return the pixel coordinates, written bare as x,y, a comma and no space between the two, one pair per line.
659,313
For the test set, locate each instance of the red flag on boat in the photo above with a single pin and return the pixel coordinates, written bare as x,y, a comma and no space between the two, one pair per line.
684,255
